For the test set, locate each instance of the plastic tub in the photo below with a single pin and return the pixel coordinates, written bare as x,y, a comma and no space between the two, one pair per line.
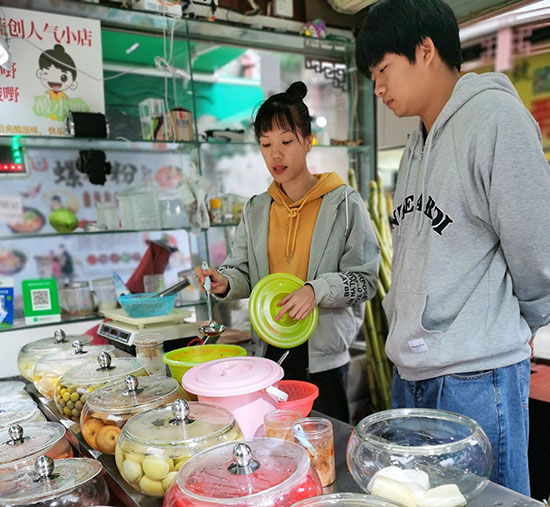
143,305
301,396
181,360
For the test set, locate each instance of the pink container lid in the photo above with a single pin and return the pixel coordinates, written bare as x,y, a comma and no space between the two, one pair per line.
232,376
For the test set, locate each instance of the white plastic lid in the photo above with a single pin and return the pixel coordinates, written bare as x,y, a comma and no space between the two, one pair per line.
232,376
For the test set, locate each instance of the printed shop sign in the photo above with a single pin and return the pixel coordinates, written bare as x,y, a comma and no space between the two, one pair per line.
48,74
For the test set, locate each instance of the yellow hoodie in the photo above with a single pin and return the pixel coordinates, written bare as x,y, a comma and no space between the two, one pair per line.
291,225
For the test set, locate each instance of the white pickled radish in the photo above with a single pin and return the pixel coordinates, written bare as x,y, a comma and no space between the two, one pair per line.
447,495
404,493
418,477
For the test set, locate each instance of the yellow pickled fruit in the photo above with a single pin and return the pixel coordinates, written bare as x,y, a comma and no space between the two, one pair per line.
134,456
151,487
168,480
131,471
156,467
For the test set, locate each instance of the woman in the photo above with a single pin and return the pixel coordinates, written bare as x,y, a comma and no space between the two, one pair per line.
312,226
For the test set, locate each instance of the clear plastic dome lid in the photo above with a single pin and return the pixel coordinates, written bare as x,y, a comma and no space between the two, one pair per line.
345,500
80,352
19,442
59,341
103,370
131,393
46,479
16,412
260,470
180,423
10,389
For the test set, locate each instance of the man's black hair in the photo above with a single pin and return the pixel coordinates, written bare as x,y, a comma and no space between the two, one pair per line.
58,58
285,110
399,26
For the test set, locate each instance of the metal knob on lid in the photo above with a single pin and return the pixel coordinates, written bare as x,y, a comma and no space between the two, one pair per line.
43,468
243,464
78,347
16,434
180,411
104,361
59,335
132,383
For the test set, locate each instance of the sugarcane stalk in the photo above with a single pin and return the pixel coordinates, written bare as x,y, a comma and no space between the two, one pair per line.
372,383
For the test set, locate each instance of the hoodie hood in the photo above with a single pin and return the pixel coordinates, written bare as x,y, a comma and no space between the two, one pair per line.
288,214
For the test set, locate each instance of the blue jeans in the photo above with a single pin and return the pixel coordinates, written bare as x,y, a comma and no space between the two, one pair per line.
497,399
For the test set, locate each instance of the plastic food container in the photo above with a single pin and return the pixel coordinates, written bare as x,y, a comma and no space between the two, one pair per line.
48,369
420,456
264,472
20,448
143,305
19,412
73,388
242,385
155,444
108,408
13,390
68,482
345,500
182,360
31,352
301,396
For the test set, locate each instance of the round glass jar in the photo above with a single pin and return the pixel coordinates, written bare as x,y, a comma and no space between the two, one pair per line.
154,444
420,456
109,407
266,472
68,482
345,500
74,386
19,412
13,390
31,352
21,447
48,369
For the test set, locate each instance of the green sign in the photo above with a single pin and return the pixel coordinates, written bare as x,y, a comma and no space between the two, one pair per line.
40,300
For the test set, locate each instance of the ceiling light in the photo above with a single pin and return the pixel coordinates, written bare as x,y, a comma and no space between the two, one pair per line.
321,121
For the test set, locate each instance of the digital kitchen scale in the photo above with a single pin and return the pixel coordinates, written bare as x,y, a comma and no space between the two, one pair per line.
121,331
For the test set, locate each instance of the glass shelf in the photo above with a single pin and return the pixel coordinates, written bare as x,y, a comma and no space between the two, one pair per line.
81,143
20,323
15,236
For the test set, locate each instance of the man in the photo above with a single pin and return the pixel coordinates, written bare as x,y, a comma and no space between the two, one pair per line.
471,230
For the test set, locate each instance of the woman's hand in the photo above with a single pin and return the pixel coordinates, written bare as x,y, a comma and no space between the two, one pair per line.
218,283
298,304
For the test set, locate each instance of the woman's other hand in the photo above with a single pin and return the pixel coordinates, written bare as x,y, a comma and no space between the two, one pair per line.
218,283
298,304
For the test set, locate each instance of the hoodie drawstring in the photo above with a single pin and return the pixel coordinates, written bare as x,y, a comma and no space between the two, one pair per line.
292,213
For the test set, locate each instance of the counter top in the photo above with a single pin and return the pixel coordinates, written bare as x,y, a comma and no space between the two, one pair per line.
122,495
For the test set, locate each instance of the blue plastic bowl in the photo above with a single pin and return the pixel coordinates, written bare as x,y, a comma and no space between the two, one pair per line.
141,305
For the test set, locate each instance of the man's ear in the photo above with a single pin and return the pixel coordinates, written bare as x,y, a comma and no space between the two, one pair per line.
309,142
39,73
74,85
426,51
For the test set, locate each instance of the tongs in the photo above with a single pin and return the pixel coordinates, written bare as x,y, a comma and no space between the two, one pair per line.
172,289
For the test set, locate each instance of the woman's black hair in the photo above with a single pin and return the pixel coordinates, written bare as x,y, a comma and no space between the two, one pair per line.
58,58
399,26
285,110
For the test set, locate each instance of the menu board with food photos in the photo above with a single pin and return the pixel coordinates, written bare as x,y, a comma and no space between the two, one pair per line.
31,248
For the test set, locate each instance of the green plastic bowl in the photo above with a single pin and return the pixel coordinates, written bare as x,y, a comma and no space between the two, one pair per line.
181,360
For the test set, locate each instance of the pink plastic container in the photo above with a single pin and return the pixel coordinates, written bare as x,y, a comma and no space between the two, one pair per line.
242,385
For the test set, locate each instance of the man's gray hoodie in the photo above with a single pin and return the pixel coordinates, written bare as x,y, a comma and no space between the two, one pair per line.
471,233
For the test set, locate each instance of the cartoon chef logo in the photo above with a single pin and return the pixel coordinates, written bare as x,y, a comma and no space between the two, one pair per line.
57,73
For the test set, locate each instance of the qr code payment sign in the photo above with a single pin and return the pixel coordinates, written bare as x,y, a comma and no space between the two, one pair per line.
41,299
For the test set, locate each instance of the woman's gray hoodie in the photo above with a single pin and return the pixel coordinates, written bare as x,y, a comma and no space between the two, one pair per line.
471,233
343,269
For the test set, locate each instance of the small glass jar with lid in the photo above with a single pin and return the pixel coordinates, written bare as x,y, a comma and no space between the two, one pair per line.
68,482
19,412
48,369
266,472
109,407
31,352
74,386
154,444
21,447
13,390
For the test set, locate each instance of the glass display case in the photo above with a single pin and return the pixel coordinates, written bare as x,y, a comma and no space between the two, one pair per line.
219,73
